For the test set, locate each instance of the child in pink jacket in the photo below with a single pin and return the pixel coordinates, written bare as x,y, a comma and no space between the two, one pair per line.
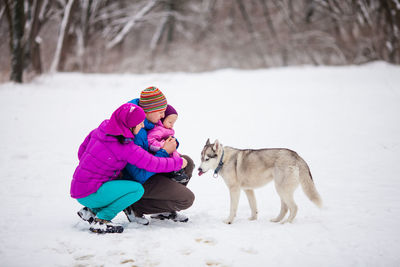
163,130
161,133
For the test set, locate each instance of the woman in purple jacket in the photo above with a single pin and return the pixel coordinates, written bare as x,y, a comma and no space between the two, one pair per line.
102,156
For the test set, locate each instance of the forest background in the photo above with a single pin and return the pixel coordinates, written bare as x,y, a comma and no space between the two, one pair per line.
141,36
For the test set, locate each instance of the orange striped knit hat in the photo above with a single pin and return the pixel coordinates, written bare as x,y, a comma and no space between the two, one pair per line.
152,100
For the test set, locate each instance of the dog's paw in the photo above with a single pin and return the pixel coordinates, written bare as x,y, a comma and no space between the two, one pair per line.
228,221
287,221
275,220
253,218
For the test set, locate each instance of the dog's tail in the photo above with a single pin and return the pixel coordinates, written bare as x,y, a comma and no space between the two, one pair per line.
307,183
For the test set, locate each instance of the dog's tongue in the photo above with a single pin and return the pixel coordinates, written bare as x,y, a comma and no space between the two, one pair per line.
201,173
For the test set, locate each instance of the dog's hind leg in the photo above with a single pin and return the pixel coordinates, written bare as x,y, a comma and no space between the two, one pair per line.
286,182
282,213
280,189
292,207
253,203
235,195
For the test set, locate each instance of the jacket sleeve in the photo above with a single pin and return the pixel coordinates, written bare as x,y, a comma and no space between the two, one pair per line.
141,175
141,139
161,153
137,174
144,160
83,146
155,139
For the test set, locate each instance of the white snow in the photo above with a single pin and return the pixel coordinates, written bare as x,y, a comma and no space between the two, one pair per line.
344,121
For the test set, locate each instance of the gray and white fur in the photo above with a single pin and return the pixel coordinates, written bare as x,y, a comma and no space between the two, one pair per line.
248,169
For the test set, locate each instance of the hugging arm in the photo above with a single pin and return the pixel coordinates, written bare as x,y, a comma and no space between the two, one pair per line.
144,160
142,175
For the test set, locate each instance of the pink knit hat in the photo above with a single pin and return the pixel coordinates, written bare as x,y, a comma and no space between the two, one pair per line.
126,116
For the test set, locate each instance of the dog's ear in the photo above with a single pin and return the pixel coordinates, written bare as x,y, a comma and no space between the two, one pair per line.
208,142
216,145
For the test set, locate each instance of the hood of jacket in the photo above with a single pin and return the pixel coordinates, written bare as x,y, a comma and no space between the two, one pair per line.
123,118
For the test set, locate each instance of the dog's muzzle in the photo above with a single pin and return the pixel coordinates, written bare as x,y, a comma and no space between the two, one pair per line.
200,172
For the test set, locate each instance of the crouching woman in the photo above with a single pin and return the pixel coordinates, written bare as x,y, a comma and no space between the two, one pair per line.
102,156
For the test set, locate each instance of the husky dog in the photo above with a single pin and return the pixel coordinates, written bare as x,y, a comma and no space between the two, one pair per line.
249,169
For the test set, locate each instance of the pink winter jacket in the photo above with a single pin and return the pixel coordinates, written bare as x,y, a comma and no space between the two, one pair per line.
102,157
157,137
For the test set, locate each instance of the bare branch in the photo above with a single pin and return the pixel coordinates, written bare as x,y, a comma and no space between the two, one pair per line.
158,34
61,37
146,9
2,11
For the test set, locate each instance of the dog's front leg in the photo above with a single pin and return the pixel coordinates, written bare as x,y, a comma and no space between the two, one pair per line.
234,194
253,204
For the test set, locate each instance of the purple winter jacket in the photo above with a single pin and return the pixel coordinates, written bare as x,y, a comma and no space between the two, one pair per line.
102,157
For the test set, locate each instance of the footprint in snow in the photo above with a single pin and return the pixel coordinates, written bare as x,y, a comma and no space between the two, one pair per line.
208,241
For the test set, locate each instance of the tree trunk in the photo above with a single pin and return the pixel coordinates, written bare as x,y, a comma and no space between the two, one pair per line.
17,33
171,24
66,21
392,19
82,32
34,43
253,35
268,19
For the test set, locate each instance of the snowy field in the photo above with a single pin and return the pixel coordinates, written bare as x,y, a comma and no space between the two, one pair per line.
344,121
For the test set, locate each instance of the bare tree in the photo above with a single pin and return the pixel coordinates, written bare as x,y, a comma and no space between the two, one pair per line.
31,16
62,37
364,30
252,32
391,10
32,42
167,24
16,19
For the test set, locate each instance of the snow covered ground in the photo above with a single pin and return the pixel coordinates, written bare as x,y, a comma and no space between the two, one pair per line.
344,121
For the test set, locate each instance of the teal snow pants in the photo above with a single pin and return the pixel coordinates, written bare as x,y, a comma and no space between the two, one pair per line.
113,197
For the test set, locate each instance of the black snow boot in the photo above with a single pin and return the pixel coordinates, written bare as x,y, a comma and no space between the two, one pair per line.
86,214
179,176
101,226
173,215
